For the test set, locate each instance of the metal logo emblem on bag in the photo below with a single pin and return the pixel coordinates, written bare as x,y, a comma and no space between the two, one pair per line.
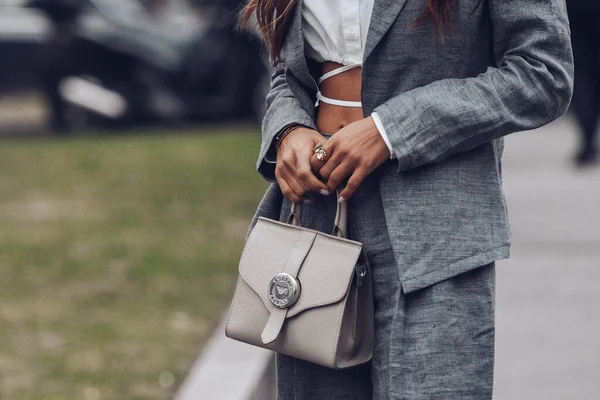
284,290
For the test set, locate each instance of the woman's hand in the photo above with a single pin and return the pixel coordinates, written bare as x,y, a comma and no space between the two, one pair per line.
356,150
293,169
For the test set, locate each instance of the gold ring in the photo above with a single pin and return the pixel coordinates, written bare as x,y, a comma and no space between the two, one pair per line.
320,152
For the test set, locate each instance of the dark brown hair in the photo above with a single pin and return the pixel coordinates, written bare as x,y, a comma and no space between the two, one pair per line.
272,17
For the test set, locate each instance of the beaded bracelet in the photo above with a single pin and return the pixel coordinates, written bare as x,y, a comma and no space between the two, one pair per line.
284,132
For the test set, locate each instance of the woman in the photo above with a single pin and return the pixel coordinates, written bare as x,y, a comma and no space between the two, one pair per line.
415,149
584,16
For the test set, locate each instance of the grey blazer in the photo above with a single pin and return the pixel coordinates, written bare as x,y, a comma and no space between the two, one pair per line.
445,104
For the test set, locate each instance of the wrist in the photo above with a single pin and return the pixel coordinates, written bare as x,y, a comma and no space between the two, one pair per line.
381,131
283,133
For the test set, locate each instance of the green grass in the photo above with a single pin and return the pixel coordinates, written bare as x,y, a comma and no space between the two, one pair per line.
117,258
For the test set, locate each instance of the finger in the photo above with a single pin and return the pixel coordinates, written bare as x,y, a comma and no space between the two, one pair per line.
288,192
338,175
308,180
293,183
298,183
328,167
317,164
353,184
287,170
283,178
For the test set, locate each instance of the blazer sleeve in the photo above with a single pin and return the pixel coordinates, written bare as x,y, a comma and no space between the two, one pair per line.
283,108
531,85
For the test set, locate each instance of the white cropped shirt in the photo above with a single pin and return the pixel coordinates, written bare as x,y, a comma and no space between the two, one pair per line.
336,30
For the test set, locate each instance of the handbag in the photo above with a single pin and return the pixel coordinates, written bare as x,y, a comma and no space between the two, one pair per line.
304,293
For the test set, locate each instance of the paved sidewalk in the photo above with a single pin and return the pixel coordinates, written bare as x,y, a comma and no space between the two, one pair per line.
548,299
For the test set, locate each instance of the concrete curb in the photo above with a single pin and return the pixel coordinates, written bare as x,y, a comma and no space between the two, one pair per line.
230,370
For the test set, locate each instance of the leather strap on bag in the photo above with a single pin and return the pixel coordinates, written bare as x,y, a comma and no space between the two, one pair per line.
340,226
292,267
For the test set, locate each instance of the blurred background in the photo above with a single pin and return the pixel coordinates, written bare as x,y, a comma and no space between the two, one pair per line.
88,64
128,138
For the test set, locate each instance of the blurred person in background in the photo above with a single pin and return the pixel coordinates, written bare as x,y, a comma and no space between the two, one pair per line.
584,16
402,106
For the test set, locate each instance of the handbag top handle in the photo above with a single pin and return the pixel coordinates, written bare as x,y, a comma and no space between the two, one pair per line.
340,225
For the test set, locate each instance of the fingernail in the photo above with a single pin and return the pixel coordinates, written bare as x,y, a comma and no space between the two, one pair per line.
324,192
340,199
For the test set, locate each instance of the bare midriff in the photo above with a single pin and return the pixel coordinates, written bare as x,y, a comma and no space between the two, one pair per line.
344,86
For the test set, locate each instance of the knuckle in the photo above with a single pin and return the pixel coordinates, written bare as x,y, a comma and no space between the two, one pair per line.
283,153
303,174
368,164
286,162
352,185
343,152
309,183
352,157
297,188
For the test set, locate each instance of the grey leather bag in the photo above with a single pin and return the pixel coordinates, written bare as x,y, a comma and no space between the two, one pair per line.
304,293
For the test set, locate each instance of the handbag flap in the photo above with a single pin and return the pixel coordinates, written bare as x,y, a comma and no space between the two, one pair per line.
325,275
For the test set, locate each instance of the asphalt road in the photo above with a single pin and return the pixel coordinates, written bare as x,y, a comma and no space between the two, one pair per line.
548,293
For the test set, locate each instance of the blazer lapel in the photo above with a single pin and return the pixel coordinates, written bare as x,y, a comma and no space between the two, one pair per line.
293,50
383,16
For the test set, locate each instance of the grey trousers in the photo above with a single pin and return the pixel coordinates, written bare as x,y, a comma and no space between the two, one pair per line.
435,343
